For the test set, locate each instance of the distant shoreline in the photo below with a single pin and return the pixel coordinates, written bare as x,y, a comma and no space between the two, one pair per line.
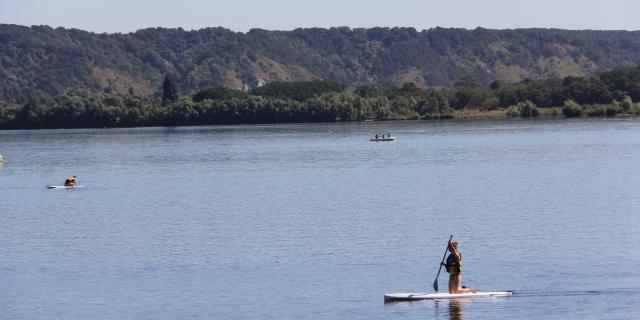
609,94
499,114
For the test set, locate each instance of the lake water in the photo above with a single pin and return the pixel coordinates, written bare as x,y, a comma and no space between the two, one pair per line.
314,221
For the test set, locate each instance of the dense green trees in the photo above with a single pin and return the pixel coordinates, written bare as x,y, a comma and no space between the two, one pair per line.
218,93
169,90
297,90
434,106
323,101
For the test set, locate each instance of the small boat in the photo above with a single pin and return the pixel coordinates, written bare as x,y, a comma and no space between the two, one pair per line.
389,138
408,296
63,187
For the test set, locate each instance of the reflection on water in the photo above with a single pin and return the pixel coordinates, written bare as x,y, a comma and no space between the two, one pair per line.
455,309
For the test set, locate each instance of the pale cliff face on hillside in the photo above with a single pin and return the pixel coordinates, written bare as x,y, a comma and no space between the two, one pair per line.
42,60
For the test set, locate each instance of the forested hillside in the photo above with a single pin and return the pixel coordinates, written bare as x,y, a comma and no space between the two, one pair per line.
40,60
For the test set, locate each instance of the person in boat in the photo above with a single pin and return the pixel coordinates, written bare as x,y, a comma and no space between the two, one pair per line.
376,136
70,182
454,268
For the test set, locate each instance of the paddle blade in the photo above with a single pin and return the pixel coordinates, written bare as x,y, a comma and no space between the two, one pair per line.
435,285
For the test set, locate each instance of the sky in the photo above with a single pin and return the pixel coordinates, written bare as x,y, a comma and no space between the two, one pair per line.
242,15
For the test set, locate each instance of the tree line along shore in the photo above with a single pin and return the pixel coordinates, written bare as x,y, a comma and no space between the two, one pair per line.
611,93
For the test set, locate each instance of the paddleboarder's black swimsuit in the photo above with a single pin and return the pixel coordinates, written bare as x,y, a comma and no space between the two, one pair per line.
452,266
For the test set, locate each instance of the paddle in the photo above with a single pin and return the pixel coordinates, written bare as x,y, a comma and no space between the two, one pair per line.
435,282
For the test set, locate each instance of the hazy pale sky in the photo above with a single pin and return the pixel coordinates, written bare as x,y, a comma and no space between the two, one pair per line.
238,15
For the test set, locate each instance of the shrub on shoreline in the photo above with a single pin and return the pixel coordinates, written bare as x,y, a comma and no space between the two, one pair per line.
572,109
523,109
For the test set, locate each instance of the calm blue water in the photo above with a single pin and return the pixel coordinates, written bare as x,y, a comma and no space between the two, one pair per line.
316,222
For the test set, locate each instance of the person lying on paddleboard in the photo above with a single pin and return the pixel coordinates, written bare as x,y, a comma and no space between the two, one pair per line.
454,268
70,182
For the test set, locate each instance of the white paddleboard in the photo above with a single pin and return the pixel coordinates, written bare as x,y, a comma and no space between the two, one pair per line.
64,187
410,296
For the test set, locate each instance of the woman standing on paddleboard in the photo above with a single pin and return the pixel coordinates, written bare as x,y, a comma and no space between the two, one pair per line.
454,267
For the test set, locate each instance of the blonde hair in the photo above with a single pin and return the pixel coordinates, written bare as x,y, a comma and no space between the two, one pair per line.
453,246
